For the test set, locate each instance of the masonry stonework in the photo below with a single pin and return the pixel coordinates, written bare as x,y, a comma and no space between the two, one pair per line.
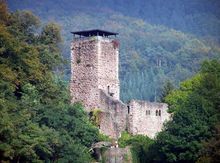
95,83
108,67
114,115
84,81
147,118
94,66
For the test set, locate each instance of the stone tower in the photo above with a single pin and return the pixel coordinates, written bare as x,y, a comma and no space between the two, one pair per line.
94,67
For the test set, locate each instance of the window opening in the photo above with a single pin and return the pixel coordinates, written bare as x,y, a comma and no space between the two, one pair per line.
108,89
156,112
128,109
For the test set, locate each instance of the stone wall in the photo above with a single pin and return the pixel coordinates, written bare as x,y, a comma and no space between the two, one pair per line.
147,118
114,116
95,83
117,155
94,66
108,67
84,70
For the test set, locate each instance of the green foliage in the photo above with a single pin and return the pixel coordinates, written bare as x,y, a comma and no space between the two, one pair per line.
168,87
37,121
51,34
23,24
32,99
195,108
103,137
3,11
124,139
211,151
139,145
180,97
95,116
193,133
150,55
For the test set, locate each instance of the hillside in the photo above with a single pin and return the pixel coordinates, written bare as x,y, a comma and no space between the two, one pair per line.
39,123
199,17
151,53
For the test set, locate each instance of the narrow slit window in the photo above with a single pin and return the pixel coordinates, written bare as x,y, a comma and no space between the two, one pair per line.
159,112
156,112
128,109
108,89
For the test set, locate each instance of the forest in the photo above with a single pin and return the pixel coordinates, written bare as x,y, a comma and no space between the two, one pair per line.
177,63
160,40
193,133
37,121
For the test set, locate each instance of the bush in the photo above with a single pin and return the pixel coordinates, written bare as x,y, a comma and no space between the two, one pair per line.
139,145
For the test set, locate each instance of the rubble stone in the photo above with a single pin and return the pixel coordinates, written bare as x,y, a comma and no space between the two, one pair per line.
95,83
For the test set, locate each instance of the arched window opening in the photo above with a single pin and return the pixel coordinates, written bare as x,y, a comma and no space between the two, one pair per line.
159,112
147,112
156,112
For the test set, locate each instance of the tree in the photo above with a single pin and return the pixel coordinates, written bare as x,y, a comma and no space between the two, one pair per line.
195,109
168,87
3,11
37,121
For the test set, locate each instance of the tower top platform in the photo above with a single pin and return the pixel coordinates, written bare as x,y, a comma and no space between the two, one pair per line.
94,32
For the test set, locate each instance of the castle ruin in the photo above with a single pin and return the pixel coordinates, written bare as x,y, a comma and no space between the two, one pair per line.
95,83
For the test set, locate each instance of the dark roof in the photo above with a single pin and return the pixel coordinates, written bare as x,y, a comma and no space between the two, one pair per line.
94,32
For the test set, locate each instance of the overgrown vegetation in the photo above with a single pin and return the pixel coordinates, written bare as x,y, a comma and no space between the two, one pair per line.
139,146
37,121
193,133
95,117
103,137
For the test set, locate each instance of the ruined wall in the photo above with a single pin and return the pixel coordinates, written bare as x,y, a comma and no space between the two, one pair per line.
114,116
84,72
94,76
147,118
117,155
108,66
